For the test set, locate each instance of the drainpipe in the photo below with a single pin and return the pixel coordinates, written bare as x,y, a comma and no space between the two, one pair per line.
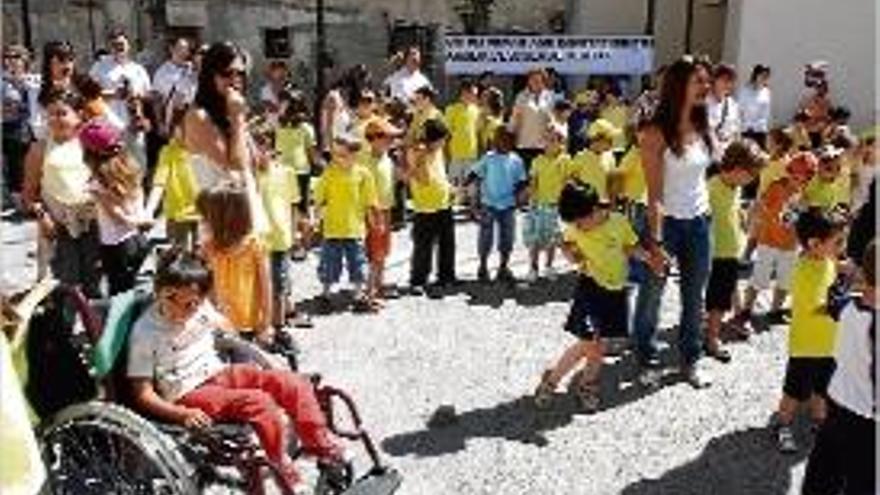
320,62
26,24
689,26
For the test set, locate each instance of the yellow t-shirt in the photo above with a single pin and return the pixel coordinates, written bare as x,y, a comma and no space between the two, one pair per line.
237,287
433,194
604,250
635,188
293,145
176,176
462,119
344,194
382,169
728,238
812,331
548,176
618,115
774,171
488,129
821,194
414,133
593,168
279,190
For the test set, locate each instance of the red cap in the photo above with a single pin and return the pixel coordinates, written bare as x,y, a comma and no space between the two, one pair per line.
100,139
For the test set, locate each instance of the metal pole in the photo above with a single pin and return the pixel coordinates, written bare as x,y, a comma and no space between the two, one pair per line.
26,24
650,15
689,26
320,62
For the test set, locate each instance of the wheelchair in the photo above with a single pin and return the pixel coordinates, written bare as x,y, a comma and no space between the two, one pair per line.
93,443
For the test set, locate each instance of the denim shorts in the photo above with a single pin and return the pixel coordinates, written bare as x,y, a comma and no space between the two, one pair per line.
336,251
541,228
279,266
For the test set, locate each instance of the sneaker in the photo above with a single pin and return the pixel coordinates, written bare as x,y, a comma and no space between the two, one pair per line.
532,277
336,475
505,275
301,319
695,377
324,304
717,352
785,441
551,273
778,317
544,392
417,290
483,275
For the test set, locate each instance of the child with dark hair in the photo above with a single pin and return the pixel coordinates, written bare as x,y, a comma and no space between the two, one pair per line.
433,224
843,456
501,176
424,109
599,243
812,331
825,190
739,165
178,377
462,118
491,116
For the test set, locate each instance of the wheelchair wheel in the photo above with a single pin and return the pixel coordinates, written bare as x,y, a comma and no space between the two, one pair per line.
101,448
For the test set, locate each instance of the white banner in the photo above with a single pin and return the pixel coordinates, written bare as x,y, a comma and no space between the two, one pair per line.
567,54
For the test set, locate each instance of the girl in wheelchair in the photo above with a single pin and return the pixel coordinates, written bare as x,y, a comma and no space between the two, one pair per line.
177,375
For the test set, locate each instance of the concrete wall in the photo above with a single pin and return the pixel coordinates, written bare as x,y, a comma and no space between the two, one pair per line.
786,34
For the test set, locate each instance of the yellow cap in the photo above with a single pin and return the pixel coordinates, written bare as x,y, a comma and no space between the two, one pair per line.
601,128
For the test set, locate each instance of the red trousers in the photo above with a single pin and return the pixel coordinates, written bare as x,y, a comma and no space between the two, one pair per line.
246,393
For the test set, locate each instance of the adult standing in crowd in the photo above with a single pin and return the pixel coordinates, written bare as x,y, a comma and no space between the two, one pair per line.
816,104
19,94
174,84
532,111
676,152
125,85
723,110
755,105
403,83
58,72
277,79
215,127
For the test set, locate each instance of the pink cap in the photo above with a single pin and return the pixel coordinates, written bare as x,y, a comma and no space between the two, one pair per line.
100,138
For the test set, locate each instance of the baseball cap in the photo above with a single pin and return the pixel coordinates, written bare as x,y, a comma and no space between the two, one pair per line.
803,164
828,152
348,140
602,128
100,139
381,126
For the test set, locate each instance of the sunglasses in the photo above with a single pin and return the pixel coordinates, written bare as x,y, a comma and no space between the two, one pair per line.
230,73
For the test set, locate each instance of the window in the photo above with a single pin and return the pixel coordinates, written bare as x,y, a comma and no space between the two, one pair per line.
276,43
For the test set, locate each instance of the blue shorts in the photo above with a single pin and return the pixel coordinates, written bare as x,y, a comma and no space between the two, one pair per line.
597,311
334,252
541,228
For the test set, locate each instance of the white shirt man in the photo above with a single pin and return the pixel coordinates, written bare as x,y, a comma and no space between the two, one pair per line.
113,74
404,82
724,123
174,84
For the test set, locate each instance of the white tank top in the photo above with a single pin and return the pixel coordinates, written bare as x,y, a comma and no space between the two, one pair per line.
65,176
208,174
685,194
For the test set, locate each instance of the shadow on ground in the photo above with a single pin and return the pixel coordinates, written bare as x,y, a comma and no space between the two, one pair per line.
519,420
740,462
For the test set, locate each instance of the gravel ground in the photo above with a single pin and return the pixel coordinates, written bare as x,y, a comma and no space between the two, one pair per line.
479,350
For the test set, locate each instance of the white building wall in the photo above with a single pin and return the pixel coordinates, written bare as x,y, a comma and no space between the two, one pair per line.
786,34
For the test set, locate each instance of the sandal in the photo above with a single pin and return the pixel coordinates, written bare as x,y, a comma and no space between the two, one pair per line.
545,390
584,386
719,353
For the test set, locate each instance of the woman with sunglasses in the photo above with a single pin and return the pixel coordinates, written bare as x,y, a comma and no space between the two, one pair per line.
215,128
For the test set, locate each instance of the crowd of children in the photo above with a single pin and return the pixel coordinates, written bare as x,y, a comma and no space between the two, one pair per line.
574,167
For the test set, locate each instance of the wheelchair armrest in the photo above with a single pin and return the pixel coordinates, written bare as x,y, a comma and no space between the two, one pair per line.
237,350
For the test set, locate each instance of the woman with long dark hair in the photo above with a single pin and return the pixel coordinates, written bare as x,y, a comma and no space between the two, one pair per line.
57,73
216,129
676,154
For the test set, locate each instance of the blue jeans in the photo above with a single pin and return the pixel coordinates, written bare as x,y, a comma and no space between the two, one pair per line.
505,220
333,252
689,243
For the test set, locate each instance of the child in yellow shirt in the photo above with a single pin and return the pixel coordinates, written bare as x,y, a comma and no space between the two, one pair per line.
296,146
823,191
345,197
812,332
599,243
593,164
174,184
462,120
738,167
491,118
547,177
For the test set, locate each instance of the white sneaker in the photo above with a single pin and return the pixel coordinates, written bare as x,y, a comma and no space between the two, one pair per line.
532,277
551,273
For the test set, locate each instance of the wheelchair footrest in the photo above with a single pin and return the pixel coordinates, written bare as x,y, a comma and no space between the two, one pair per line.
379,481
